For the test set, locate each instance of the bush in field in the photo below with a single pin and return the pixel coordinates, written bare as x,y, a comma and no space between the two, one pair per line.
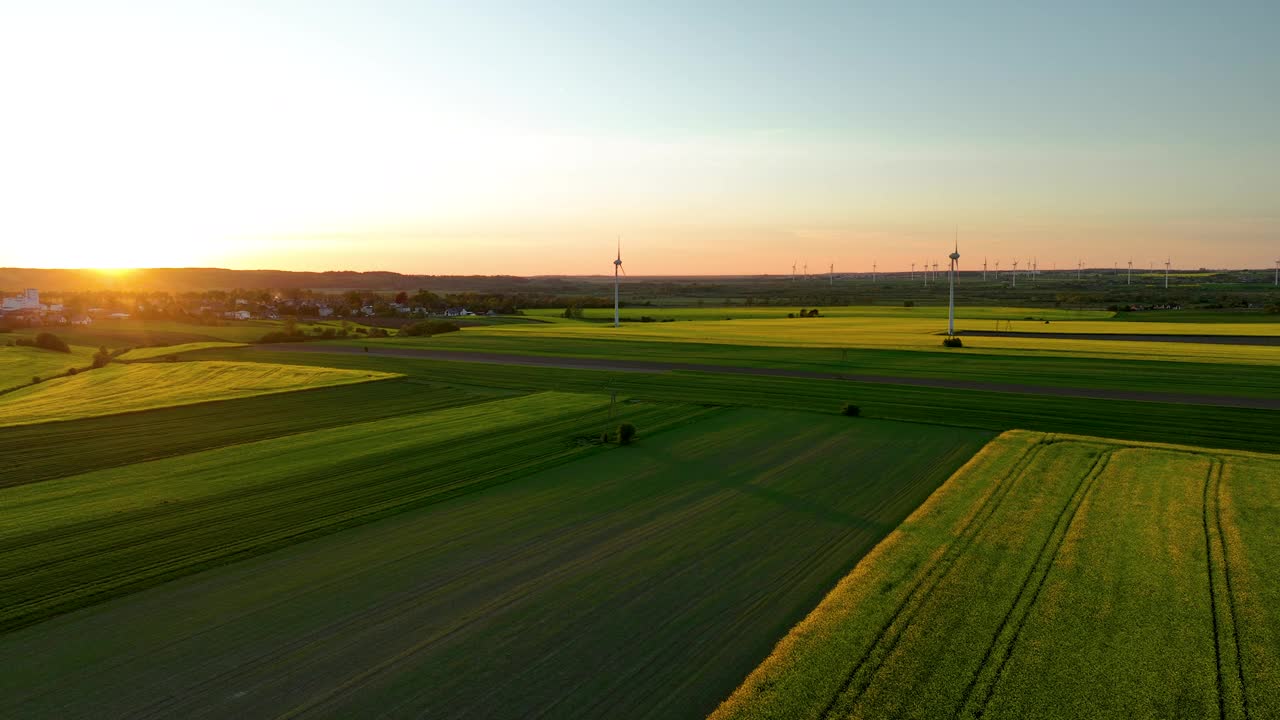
71,372
427,328
850,410
626,431
908,303
35,379
953,342
102,357
47,341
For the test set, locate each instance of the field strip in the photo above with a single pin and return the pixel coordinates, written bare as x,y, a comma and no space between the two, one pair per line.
1003,646
863,672
1223,339
633,582
644,366
1233,696
134,387
1115,580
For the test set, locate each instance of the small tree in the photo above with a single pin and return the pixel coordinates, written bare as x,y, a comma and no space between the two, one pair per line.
850,410
953,342
626,431
102,357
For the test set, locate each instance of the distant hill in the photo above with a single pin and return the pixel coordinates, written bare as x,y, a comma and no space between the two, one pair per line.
197,279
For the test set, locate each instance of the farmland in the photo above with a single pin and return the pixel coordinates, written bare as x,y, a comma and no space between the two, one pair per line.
1053,576
327,527
129,388
151,353
633,582
19,364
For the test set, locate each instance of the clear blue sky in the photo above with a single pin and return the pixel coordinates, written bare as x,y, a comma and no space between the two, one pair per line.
715,137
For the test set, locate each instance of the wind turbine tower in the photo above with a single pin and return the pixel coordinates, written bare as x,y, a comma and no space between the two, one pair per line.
913,270
793,271
1015,273
1278,273
984,269
831,274
1166,273
873,271
617,266
1079,268
951,309
1128,277
997,271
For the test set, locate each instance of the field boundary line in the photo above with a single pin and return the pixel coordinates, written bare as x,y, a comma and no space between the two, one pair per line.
1225,653
905,612
1039,568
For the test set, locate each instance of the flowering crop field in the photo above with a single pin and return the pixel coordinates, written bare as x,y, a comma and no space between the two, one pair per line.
1053,576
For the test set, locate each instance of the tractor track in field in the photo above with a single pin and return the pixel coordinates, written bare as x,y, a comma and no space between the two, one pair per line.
928,580
1039,574
648,366
1226,634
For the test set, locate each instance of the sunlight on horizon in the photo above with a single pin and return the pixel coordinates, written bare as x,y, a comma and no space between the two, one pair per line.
436,140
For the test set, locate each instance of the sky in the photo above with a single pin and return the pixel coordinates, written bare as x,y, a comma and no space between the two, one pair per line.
711,137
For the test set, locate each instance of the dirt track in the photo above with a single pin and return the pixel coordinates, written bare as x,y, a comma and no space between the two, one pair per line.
1210,339
641,366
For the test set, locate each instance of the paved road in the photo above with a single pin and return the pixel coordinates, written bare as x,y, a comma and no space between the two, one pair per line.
1211,339
644,366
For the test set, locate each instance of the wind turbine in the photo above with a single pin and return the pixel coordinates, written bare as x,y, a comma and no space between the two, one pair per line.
793,271
984,268
1015,273
873,271
1079,268
831,274
1128,278
997,271
617,266
1166,273
951,308
806,269
1278,273
925,274
913,270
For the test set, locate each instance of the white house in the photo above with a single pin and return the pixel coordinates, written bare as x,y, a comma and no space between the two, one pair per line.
28,300
236,315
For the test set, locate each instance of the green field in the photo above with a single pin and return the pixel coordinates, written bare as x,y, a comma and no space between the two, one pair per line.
1242,428
135,333
312,529
1053,577
630,582
19,364
130,388
151,353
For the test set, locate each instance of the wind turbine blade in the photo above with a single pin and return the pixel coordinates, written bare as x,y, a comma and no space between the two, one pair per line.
622,268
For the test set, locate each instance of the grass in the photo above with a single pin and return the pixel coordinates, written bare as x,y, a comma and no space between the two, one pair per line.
836,334
1050,577
19,364
129,388
133,333
32,453
1241,428
774,312
976,363
152,353
634,582
78,540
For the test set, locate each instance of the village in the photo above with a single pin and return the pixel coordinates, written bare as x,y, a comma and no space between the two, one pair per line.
28,310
